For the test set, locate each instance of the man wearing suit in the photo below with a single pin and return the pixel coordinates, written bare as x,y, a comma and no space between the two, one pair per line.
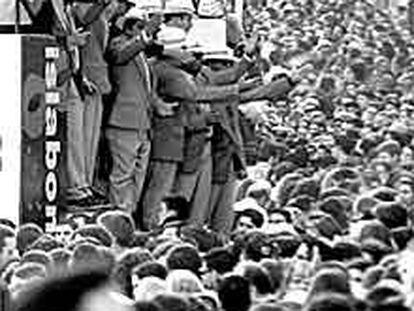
129,122
94,83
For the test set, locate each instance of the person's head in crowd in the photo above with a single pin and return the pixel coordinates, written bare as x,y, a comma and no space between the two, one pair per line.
217,262
260,191
62,232
8,250
61,260
388,151
98,232
151,268
84,256
183,282
386,295
125,265
179,15
258,245
279,220
392,215
330,302
234,293
25,276
258,278
330,280
248,217
173,302
404,184
134,22
184,257
26,235
90,290
38,256
147,288
205,238
120,225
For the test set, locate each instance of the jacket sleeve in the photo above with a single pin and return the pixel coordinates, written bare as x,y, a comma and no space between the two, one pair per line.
230,75
173,84
208,92
270,91
121,50
91,15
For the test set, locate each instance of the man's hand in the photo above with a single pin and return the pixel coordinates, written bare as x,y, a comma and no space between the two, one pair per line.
88,86
164,109
78,39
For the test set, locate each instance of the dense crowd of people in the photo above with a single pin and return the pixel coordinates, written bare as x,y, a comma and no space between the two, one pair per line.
277,177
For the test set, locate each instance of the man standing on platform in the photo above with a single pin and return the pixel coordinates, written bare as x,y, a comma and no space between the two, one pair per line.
129,125
96,19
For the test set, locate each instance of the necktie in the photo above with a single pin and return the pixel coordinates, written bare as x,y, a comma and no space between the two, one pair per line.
147,73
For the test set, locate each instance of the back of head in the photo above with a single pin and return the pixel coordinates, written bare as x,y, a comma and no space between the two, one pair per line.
120,225
60,259
151,268
234,293
183,281
26,235
184,257
85,256
172,302
330,280
95,231
37,256
386,295
220,259
46,243
330,302
24,274
149,288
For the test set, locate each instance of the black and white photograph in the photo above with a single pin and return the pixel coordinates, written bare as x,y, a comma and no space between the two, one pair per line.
207,155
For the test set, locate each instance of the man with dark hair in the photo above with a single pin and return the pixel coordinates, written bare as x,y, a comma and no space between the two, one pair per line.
184,257
234,293
172,302
120,225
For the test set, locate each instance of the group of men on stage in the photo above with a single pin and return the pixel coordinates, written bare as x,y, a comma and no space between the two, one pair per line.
171,123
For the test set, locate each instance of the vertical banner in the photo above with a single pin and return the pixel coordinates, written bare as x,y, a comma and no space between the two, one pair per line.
10,120
43,132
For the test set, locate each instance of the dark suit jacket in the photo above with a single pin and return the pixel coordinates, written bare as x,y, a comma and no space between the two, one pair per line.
132,98
173,85
227,140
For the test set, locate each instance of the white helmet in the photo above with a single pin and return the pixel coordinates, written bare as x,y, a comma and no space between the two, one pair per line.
178,6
